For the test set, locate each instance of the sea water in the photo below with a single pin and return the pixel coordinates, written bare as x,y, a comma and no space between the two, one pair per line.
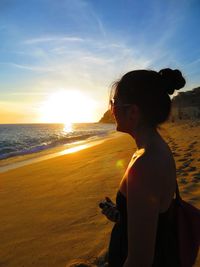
21,139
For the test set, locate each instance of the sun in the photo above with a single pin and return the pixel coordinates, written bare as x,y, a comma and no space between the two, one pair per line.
67,106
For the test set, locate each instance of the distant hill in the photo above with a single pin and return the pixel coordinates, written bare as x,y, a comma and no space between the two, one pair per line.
188,98
186,105
107,117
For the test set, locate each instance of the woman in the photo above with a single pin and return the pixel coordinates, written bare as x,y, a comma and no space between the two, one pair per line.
140,104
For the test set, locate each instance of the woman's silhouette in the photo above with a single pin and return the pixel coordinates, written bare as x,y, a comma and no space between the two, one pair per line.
140,102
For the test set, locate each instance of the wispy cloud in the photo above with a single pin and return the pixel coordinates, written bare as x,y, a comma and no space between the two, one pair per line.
94,63
93,57
193,63
28,67
24,93
52,39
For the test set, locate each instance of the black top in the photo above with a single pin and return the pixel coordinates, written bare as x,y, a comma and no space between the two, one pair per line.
165,255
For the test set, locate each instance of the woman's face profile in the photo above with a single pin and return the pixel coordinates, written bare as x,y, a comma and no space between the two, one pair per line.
115,110
124,114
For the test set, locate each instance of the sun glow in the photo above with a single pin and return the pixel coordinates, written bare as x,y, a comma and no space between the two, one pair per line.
68,127
67,106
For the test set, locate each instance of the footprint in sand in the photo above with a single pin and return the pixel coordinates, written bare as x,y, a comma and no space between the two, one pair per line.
196,178
195,198
183,181
190,147
174,147
175,154
189,169
194,150
197,174
184,174
169,140
192,144
180,150
181,159
178,172
189,188
192,168
188,154
173,143
187,163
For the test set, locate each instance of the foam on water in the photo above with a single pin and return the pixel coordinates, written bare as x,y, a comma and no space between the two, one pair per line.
22,139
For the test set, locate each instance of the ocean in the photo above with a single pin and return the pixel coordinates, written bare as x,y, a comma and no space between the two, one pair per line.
21,139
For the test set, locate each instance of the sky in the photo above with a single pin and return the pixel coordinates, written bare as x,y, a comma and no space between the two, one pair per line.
61,57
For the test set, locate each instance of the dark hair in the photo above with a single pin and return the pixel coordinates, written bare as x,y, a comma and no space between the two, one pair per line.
149,90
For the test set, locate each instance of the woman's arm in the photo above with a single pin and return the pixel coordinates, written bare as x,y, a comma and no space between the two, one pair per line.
143,203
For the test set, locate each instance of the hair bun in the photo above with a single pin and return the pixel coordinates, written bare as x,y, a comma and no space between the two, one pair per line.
172,79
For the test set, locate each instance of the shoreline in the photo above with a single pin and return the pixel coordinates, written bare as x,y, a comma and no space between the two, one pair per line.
26,159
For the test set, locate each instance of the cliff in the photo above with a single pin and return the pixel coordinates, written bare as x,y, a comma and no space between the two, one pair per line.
107,117
186,105
188,98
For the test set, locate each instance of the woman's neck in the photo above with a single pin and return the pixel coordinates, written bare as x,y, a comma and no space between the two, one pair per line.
145,137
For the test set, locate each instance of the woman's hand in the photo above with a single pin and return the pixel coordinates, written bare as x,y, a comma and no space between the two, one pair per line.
110,211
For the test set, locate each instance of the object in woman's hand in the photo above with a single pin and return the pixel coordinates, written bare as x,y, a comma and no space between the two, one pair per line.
106,204
110,210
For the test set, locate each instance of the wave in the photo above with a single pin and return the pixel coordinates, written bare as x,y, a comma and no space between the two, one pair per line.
7,152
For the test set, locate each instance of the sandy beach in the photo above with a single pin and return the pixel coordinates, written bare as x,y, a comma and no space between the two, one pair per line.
49,209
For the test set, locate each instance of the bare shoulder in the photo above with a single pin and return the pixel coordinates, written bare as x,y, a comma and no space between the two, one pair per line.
146,172
145,164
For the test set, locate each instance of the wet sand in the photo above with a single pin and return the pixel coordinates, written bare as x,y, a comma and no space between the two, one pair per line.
49,209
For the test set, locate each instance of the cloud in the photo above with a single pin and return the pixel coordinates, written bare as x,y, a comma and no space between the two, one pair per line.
24,93
94,63
52,39
92,58
28,67
194,63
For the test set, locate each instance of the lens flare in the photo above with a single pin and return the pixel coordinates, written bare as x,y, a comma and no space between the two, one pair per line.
120,164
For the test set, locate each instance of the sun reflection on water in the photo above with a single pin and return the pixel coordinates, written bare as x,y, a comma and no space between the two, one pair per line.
68,127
